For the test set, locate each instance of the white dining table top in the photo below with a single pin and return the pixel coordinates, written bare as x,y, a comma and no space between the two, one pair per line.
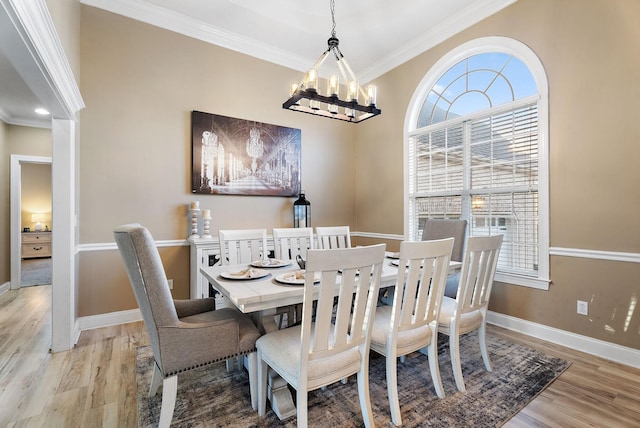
252,295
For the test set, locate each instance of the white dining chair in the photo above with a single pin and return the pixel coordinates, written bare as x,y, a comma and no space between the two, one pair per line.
291,242
336,344
288,243
329,237
468,311
242,246
412,322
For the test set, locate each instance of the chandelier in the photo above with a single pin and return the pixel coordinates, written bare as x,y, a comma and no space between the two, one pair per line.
306,97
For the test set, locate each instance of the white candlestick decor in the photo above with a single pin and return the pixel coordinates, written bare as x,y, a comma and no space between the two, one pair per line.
206,222
195,212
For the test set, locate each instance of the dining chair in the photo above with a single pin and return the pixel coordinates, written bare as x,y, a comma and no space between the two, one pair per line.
334,345
411,323
184,334
288,243
291,242
242,246
448,228
468,311
333,237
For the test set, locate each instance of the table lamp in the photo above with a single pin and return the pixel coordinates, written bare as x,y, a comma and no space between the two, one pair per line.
37,218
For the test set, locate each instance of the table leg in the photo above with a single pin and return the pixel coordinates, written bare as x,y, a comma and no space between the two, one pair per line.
278,391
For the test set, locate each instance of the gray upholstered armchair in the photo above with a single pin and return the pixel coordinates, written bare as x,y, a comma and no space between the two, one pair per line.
184,334
448,228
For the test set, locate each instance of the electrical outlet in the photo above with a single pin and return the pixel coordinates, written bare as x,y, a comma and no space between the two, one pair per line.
170,281
583,308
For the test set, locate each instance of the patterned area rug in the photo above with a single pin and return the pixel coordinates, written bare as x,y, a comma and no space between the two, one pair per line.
36,271
214,397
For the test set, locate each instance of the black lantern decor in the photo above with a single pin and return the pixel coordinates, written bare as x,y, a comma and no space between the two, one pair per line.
302,212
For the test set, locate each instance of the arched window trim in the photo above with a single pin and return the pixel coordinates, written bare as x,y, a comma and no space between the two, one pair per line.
531,60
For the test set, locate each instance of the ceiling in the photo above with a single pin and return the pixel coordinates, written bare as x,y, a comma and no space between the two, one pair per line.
375,35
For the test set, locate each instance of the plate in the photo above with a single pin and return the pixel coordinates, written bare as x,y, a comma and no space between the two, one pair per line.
270,263
295,278
391,255
249,273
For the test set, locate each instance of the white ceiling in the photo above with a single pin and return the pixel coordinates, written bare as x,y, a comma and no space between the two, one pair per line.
375,35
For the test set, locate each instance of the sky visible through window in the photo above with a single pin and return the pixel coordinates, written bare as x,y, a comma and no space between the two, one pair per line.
477,83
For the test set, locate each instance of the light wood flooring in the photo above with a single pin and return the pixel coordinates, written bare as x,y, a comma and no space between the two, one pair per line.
93,385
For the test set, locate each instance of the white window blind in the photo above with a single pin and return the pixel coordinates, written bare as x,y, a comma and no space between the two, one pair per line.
484,169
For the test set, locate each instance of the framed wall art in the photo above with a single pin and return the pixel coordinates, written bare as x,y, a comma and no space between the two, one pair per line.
240,157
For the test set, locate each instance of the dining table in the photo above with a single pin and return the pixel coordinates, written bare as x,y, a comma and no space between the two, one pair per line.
263,286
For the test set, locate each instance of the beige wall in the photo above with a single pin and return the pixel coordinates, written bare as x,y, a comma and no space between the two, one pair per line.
590,51
15,140
35,194
140,84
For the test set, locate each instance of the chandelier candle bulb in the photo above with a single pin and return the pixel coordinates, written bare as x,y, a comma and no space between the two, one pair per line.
372,92
352,94
312,80
333,86
293,89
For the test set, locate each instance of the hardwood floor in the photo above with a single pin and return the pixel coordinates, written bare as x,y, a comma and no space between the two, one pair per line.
93,385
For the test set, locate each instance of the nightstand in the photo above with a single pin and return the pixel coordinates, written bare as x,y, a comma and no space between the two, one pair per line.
36,244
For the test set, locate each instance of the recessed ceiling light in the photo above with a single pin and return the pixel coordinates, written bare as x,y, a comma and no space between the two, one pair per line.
42,111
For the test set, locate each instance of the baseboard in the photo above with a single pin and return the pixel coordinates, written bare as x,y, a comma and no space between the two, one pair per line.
111,318
600,348
5,287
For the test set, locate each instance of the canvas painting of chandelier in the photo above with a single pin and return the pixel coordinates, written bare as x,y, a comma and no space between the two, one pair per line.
240,157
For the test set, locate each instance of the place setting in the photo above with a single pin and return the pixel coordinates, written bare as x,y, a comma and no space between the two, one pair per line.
245,274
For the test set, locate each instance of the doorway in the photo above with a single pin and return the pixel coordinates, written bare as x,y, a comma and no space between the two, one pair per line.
17,228
35,218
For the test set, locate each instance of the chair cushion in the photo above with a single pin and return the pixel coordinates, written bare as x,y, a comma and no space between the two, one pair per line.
283,347
407,341
469,321
248,331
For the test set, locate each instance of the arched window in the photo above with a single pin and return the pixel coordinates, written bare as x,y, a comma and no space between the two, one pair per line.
476,148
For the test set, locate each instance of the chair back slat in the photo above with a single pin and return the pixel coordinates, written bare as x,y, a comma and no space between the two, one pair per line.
478,271
242,246
346,297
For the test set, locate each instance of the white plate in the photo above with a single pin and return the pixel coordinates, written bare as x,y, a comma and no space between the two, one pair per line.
395,262
391,255
270,263
249,273
295,278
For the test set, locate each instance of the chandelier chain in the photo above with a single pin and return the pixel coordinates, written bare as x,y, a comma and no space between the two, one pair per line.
333,17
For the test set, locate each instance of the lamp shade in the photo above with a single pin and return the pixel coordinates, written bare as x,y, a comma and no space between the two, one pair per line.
302,212
38,218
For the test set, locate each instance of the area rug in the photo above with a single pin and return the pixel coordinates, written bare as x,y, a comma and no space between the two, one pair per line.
213,397
36,271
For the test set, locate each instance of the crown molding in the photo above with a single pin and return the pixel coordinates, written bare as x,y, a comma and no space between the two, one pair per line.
53,81
169,20
474,13
182,24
